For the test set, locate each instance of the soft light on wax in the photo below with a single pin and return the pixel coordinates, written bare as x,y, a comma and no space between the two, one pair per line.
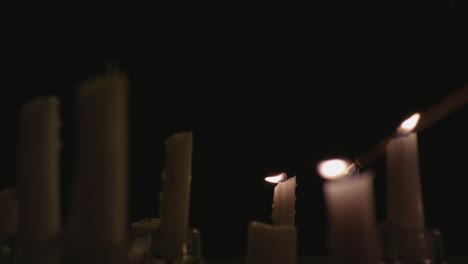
99,212
38,176
175,195
404,197
271,244
351,216
284,199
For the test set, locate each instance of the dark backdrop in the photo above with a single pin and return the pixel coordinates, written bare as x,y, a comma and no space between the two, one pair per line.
262,94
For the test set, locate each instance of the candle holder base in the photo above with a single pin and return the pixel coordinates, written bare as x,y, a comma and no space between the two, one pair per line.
97,254
7,254
406,246
146,245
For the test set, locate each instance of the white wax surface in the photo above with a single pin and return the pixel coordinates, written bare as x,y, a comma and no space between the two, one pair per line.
284,201
351,218
271,244
175,196
38,171
100,203
404,197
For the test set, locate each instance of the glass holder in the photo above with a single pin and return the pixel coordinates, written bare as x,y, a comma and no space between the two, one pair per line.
144,248
406,246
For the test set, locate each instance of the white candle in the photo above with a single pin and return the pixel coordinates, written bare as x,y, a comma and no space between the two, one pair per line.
271,244
100,204
404,197
8,215
351,216
38,172
405,212
175,196
284,200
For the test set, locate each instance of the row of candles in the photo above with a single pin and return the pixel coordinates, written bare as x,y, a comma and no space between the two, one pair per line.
100,197
349,196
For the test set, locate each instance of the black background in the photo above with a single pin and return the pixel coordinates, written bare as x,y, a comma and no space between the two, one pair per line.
263,91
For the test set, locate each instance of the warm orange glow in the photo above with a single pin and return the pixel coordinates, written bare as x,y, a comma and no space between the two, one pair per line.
333,168
409,124
276,178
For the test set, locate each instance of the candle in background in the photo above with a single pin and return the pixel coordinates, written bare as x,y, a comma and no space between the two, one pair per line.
100,202
284,200
271,244
38,176
8,215
351,214
404,198
175,195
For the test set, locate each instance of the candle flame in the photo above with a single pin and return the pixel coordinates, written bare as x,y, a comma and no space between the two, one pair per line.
277,178
409,124
333,168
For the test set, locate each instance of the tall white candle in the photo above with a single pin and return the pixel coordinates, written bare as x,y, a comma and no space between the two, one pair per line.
99,213
38,172
8,215
404,197
284,200
351,217
271,244
405,212
175,196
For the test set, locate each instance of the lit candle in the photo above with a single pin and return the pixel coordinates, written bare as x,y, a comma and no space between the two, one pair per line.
8,215
351,217
404,197
38,175
284,199
175,195
100,204
272,244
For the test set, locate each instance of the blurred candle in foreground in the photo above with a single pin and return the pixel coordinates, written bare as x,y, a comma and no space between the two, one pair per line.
38,177
175,195
8,215
284,199
352,233
271,244
404,197
100,204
